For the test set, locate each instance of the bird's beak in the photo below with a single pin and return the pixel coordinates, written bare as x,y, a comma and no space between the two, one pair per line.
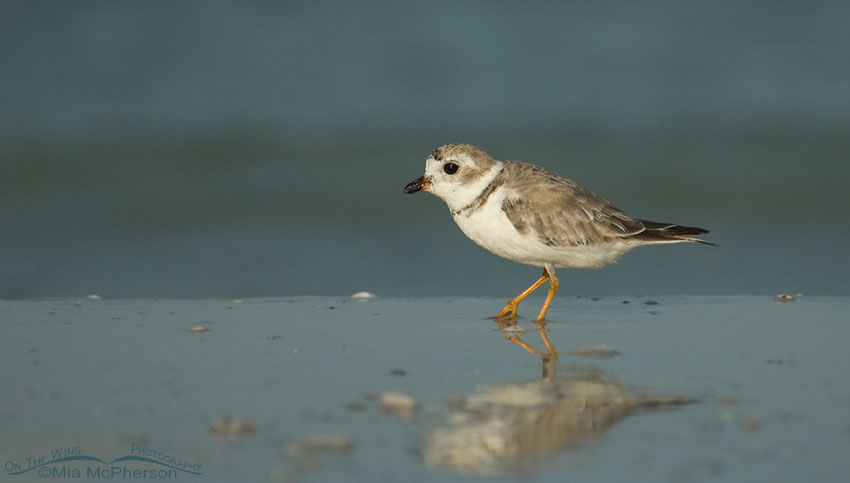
419,184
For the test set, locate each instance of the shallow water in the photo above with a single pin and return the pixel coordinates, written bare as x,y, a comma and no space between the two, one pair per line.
740,388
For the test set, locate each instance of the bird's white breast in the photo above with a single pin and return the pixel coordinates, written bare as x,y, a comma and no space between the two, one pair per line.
490,228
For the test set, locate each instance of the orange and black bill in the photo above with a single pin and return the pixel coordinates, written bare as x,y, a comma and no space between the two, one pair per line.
419,184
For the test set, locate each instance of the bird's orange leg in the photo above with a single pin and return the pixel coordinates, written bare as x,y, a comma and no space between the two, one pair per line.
512,305
553,289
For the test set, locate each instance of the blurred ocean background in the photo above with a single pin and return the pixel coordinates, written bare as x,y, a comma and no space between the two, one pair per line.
231,149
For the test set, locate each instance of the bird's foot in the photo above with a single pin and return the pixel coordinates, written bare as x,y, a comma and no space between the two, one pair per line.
509,311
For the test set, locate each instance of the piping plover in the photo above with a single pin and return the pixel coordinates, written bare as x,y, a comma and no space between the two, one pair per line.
524,213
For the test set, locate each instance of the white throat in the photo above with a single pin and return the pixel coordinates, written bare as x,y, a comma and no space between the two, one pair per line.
461,195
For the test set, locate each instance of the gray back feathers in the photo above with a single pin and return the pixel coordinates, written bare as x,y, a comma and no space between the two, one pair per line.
563,213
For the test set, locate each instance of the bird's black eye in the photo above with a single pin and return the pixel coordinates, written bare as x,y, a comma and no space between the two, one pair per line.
450,168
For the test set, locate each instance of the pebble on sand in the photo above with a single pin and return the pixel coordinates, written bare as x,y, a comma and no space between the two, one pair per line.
363,295
399,404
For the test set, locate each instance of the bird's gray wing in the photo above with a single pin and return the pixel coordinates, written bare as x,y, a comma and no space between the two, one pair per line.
560,212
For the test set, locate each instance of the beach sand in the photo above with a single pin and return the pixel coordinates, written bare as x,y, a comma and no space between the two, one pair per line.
670,388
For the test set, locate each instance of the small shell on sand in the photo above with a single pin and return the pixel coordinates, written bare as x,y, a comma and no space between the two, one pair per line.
784,297
231,427
399,404
198,329
363,295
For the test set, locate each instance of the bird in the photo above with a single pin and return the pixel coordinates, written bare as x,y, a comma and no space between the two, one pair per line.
525,213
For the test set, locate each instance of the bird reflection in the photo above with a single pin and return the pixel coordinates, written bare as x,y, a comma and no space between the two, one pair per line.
549,359
510,428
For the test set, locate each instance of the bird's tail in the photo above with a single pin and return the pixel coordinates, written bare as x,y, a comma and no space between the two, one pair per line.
670,233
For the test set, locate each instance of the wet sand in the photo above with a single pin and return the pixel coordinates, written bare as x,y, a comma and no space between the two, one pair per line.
670,388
